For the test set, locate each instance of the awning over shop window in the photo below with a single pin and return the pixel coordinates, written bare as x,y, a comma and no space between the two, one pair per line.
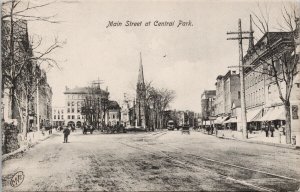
254,115
231,120
220,120
272,114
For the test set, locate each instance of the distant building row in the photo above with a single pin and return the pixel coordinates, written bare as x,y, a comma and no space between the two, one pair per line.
75,102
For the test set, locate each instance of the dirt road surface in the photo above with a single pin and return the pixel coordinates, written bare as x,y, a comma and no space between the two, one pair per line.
159,161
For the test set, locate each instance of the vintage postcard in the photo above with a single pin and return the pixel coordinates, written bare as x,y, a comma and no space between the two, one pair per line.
151,95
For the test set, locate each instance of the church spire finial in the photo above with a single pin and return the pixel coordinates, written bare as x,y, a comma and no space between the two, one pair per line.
251,38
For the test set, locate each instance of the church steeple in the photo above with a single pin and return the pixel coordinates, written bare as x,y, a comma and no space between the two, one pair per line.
141,72
251,38
140,98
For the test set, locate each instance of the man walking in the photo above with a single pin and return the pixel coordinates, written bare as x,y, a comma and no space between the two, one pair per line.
272,131
66,134
267,128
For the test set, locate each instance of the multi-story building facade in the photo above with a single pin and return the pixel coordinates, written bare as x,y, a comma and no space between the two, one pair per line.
262,96
31,87
227,97
232,91
45,101
113,114
220,96
208,98
75,99
58,116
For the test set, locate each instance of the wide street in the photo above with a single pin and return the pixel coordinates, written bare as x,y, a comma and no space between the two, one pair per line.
165,160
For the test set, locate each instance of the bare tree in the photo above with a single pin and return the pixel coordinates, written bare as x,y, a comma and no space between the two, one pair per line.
282,65
160,100
21,60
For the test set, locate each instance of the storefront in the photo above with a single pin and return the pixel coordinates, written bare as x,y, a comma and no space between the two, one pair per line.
253,119
219,122
231,123
273,116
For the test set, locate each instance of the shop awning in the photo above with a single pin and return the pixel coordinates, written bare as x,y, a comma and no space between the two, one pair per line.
220,120
274,114
231,120
254,115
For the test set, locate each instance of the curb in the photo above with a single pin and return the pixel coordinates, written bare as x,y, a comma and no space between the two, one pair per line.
24,148
262,143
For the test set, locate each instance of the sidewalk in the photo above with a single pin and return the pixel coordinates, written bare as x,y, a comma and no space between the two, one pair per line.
33,138
258,137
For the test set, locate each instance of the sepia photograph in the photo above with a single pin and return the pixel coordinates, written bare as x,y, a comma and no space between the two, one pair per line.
150,95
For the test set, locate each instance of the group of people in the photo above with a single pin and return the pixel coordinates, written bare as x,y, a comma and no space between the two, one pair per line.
271,129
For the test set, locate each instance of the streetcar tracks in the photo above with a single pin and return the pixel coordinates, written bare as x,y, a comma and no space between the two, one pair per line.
236,166
194,166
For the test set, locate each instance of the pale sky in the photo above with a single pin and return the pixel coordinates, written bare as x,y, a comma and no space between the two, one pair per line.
195,55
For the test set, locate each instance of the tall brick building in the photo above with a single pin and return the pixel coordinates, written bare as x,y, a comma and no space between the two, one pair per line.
228,97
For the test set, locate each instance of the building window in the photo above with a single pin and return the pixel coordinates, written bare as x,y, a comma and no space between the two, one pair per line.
72,110
78,110
298,85
72,103
62,111
54,116
73,116
58,117
62,117
113,116
68,116
78,116
68,110
68,103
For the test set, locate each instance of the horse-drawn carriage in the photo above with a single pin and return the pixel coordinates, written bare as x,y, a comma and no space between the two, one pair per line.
88,128
114,129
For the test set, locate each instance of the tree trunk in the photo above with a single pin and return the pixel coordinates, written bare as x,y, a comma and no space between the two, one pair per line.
26,124
288,129
13,104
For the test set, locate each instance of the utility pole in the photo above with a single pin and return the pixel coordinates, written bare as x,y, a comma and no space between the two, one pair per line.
97,100
241,70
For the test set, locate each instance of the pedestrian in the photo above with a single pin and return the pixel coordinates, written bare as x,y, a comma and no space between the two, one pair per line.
250,128
267,130
43,130
272,130
66,134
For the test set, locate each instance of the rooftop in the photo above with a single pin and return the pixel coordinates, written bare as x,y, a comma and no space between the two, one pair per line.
84,90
